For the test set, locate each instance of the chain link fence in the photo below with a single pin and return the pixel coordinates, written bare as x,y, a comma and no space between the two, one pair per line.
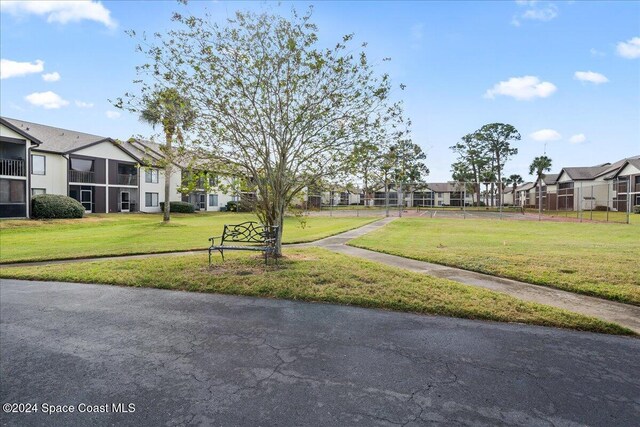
610,201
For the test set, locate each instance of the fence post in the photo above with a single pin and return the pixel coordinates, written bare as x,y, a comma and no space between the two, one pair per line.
386,198
591,204
608,197
629,200
400,199
464,198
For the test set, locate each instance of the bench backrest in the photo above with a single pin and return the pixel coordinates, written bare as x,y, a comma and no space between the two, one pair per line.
249,232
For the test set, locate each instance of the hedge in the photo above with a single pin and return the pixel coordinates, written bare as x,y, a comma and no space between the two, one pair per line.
179,207
46,206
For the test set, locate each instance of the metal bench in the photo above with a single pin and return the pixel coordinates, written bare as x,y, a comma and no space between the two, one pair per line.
254,236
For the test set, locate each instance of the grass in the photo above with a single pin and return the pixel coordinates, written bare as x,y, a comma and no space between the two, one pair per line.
620,217
119,234
588,258
316,275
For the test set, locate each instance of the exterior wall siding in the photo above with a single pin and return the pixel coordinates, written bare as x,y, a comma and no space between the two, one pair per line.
54,181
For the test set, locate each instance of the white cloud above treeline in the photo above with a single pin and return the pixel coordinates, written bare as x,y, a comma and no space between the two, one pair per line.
591,77
47,100
629,49
535,11
9,68
578,138
545,135
522,88
82,104
61,12
51,77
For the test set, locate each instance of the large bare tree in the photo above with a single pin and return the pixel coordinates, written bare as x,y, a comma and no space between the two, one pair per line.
281,110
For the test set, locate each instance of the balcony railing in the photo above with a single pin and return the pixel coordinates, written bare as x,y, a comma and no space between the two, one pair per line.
11,167
82,176
127,179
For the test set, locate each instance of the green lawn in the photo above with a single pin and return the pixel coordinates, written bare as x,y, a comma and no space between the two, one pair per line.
589,258
620,217
315,275
117,234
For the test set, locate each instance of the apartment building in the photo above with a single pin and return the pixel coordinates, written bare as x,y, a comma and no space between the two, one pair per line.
103,174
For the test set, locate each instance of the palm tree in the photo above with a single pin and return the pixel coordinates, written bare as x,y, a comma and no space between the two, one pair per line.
175,113
539,166
488,176
514,180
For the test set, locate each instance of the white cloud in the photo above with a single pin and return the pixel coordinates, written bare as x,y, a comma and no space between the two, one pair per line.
9,68
112,114
629,49
590,76
81,104
61,12
545,135
577,139
536,11
48,100
51,77
522,88
545,14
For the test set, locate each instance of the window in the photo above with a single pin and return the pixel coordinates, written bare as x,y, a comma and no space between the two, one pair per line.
81,165
151,200
565,185
36,191
213,200
38,165
12,191
213,180
151,176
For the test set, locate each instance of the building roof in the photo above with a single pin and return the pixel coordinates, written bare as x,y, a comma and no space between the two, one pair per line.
53,139
526,186
605,170
551,178
633,161
58,140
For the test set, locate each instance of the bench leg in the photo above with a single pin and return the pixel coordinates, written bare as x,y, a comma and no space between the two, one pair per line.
221,253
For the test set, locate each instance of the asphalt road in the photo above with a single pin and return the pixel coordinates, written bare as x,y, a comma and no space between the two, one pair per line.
185,358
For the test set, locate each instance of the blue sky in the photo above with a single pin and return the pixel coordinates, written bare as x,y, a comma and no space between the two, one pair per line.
565,74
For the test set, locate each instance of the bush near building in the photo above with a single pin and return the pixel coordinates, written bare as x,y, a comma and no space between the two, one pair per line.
179,207
48,206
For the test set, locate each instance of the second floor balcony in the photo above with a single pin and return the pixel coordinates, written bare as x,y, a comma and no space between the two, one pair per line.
127,179
88,177
13,167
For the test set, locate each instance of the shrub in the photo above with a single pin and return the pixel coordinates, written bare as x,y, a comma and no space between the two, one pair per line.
636,209
602,208
179,207
235,206
46,206
232,206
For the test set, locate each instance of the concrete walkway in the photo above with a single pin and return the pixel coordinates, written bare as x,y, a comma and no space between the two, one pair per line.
622,314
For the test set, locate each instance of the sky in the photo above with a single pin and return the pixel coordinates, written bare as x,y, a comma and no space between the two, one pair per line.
565,74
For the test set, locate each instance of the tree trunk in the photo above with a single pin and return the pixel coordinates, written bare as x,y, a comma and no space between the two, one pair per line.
279,221
167,179
167,193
